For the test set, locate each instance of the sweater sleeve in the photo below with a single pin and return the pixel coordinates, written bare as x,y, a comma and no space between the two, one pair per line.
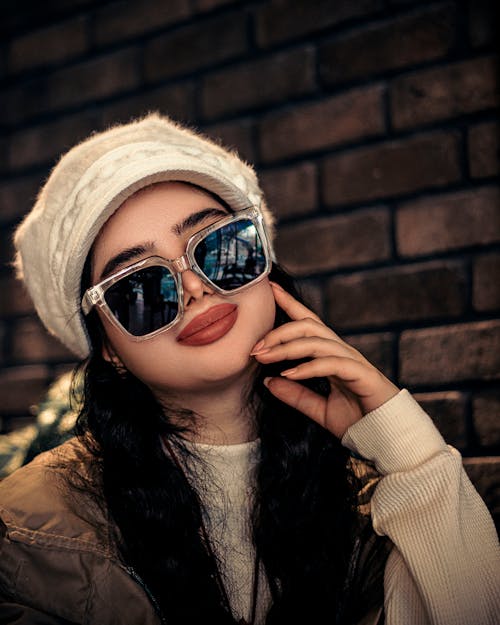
445,568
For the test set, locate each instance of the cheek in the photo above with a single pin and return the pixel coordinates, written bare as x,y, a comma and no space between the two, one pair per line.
259,310
163,363
152,361
134,355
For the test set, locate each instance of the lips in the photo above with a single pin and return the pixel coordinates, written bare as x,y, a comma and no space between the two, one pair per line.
210,325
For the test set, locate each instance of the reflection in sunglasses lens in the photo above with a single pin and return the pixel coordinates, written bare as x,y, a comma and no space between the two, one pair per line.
147,300
231,256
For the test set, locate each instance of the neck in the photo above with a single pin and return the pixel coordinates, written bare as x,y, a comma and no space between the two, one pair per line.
224,417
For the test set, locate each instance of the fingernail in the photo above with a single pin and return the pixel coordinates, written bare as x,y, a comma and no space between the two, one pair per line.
288,371
266,381
258,352
276,286
258,346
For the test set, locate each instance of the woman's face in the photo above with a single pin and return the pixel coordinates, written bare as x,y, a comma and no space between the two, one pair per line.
155,220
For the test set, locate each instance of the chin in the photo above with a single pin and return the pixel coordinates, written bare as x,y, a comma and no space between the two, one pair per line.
224,368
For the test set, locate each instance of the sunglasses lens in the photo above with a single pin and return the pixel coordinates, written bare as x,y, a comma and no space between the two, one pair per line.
232,256
144,301
147,300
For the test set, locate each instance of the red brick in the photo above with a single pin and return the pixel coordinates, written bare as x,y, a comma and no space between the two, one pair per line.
26,14
130,18
3,71
174,100
196,46
403,3
282,20
291,191
333,242
322,124
387,169
399,294
208,5
56,43
32,343
455,353
486,282
2,349
21,388
448,410
444,92
96,79
4,147
403,41
6,248
484,150
484,473
486,408
312,294
86,82
15,299
264,81
17,196
236,135
447,222
377,348
482,21
42,144
19,103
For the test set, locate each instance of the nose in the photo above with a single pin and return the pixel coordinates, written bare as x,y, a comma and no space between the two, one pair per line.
193,286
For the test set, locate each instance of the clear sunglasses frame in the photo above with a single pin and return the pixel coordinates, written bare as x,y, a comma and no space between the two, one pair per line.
94,295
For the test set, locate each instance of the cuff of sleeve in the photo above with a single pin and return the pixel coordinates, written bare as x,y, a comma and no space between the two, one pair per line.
396,436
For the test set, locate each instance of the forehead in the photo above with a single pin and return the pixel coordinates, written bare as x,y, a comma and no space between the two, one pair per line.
164,201
149,216
158,206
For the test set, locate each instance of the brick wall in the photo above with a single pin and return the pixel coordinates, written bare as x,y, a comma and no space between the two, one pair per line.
374,126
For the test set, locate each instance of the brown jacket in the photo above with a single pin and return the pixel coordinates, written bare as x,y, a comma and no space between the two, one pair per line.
54,568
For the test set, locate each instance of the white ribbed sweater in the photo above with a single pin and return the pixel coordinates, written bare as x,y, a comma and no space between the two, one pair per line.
445,565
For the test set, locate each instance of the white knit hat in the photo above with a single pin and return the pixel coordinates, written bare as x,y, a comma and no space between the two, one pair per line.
87,186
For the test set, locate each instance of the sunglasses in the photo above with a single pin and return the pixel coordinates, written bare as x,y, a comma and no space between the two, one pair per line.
146,298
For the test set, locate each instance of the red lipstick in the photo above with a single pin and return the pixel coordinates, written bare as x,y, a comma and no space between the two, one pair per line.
210,325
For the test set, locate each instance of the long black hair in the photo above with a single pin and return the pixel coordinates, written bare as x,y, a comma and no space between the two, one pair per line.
320,554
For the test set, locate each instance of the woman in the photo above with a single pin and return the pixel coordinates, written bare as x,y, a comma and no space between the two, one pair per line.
216,474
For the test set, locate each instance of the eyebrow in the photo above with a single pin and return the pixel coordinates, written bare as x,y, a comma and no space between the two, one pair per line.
125,256
132,253
197,218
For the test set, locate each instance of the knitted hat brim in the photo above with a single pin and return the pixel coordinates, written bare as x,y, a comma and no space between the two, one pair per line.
98,194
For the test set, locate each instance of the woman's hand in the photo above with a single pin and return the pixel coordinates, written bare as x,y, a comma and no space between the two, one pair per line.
356,386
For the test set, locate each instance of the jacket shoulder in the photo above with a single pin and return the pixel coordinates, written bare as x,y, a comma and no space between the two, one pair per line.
37,501
52,557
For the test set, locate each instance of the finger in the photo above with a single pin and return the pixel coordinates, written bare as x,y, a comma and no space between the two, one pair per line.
294,330
367,384
293,308
299,397
351,372
304,347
